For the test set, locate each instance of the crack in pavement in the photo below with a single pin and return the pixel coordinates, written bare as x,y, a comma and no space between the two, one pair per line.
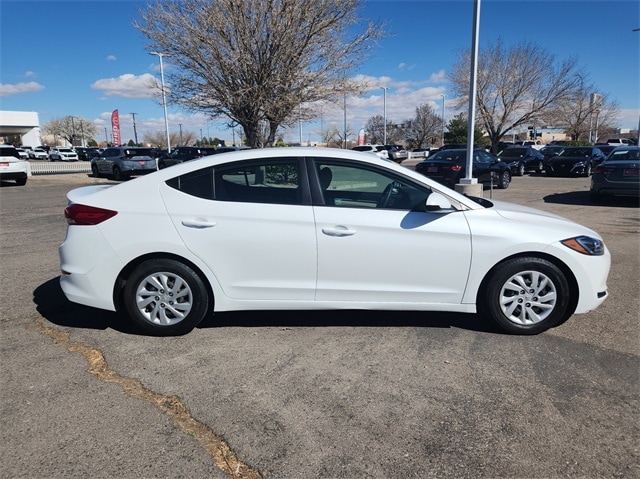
223,457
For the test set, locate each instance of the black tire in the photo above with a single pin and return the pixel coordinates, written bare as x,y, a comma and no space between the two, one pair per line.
165,297
587,170
118,175
540,167
525,296
521,169
21,181
504,180
94,171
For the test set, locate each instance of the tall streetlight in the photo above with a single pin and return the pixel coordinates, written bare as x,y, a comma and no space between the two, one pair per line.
443,120
164,98
135,133
180,125
384,89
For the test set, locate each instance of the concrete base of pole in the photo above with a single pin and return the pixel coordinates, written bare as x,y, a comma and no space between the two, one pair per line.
474,189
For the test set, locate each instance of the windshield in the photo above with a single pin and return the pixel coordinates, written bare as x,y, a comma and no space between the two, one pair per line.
449,155
575,152
512,153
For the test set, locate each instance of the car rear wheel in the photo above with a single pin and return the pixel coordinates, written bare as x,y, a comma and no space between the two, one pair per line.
165,297
525,295
118,175
520,170
21,181
94,171
587,170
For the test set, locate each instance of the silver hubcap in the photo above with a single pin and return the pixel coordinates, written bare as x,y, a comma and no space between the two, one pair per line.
164,298
528,297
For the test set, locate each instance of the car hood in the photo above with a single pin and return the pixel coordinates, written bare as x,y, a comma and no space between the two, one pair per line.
542,219
568,159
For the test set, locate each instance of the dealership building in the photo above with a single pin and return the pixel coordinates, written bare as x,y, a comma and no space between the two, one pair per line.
26,124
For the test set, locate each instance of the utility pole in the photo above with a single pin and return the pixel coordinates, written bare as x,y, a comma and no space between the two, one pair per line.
135,133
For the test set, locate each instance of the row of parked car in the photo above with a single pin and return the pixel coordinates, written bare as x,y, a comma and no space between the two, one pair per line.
614,174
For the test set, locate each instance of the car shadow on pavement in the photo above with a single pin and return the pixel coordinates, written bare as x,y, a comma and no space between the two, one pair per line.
348,318
52,304
584,198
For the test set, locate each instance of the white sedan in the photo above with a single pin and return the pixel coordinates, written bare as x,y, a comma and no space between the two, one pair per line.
316,228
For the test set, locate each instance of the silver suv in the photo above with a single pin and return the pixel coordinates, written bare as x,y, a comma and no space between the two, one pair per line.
121,162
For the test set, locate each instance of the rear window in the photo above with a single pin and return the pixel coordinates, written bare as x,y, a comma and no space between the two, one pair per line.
138,152
9,151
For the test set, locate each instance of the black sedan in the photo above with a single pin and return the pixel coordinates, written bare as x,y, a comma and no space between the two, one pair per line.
522,159
574,161
618,175
448,166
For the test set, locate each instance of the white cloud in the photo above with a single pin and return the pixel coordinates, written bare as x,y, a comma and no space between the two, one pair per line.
128,86
111,58
6,90
438,77
29,74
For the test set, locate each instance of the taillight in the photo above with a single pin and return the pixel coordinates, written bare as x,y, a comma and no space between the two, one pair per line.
456,168
603,169
77,214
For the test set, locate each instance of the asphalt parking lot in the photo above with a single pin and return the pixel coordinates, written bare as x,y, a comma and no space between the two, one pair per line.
314,394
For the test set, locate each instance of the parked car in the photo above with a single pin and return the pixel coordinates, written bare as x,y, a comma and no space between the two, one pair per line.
377,150
121,162
621,142
87,153
574,161
605,148
12,167
617,175
38,154
22,153
448,166
522,159
550,151
181,154
302,228
61,153
397,153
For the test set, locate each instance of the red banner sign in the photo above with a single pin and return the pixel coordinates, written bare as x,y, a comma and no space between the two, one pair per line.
115,127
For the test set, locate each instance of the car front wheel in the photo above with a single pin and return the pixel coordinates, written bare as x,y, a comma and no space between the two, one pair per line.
165,297
504,180
525,295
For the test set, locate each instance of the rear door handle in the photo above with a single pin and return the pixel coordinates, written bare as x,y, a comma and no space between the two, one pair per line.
198,224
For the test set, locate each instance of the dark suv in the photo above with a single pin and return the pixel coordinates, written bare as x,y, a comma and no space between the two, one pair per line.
184,153
121,162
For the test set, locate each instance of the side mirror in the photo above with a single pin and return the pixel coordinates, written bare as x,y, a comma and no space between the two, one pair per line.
437,201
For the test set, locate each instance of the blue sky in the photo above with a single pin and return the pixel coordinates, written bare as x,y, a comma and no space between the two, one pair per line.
84,58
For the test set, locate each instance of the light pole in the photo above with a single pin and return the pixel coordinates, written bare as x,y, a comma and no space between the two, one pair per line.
443,120
180,125
164,98
384,102
135,133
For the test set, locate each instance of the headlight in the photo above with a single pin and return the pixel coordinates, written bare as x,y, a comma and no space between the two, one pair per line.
585,245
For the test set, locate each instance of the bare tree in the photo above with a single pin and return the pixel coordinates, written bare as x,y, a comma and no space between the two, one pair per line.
375,129
424,128
585,112
158,138
515,86
334,136
259,63
75,130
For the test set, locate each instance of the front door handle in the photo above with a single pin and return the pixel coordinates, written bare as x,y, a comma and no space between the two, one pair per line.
338,231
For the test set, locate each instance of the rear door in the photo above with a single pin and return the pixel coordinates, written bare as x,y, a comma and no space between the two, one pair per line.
252,223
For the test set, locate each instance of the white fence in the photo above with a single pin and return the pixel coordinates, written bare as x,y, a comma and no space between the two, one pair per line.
53,168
